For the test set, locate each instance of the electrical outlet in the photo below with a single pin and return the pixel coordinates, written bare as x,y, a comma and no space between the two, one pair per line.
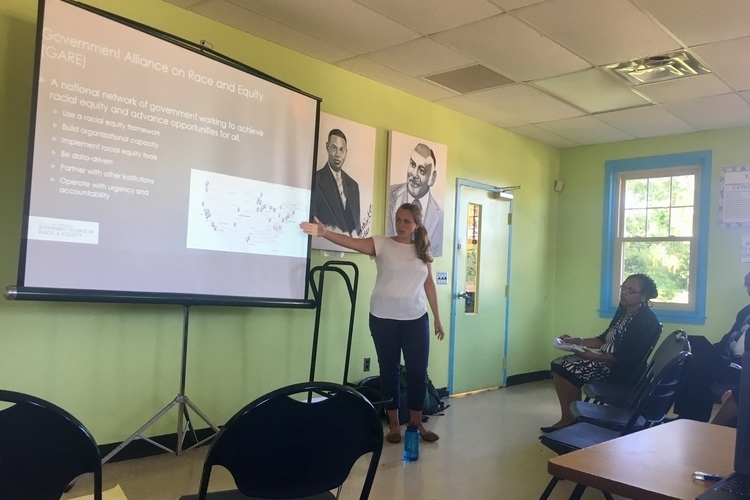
367,364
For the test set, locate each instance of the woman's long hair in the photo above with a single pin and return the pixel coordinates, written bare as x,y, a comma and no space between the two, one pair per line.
421,239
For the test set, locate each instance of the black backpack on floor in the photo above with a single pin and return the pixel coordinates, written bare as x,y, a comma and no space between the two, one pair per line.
432,403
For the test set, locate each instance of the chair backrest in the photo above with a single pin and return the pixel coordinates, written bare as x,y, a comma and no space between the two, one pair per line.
43,449
659,394
674,343
282,447
640,374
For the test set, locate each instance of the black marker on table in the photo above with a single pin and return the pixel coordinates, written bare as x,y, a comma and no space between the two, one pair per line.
703,476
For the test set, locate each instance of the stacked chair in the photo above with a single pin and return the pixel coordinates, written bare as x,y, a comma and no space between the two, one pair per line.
299,441
646,404
618,394
615,403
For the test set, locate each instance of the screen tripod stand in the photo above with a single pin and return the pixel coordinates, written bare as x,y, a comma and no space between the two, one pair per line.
182,402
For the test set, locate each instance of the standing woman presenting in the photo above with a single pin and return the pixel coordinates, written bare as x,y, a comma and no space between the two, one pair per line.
398,315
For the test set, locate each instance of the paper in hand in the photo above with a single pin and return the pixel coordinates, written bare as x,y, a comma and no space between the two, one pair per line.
559,344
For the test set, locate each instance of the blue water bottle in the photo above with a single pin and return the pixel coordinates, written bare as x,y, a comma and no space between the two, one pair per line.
411,443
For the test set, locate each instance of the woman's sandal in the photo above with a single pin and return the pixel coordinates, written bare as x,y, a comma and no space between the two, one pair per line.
393,437
429,436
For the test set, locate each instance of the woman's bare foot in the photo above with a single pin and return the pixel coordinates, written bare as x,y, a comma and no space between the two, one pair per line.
557,425
563,423
394,435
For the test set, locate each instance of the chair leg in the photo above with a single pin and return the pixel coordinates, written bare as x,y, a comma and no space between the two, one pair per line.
577,492
550,487
607,495
203,488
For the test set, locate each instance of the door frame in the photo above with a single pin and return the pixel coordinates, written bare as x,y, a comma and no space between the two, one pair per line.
454,284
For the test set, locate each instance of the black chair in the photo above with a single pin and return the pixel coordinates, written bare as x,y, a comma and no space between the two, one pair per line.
651,408
279,446
640,372
615,411
43,449
624,396
592,391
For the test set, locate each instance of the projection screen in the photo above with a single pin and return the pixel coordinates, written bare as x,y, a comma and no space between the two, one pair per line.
161,171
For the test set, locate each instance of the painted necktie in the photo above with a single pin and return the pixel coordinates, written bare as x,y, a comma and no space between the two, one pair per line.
340,184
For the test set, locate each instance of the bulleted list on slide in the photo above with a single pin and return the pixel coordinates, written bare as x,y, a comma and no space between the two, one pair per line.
97,129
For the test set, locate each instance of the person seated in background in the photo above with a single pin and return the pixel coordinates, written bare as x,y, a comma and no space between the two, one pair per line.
622,347
730,408
730,400
710,365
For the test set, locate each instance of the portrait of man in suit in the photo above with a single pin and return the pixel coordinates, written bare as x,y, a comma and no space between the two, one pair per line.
336,193
420,177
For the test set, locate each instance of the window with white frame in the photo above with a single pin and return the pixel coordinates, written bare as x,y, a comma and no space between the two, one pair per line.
656,224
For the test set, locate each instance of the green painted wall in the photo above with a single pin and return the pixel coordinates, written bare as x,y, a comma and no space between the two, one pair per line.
114,366
578,258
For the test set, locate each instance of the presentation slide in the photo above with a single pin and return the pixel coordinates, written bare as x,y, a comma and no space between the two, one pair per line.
158,169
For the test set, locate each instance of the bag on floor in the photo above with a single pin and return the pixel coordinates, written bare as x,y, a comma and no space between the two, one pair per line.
432,403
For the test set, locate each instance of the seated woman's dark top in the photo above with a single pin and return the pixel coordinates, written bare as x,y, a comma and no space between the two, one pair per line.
628,338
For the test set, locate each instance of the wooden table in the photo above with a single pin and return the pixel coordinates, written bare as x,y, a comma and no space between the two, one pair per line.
653,464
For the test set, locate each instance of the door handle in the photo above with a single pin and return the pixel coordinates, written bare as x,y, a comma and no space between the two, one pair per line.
462,295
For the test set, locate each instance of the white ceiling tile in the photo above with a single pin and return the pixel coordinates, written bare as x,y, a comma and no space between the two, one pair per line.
684,88
420,57
514,49
745,95
696,22
592,90
464,104
433,16
514,4
342,22
543,136
729,60
648,121
585,130
706,113
603,32
263,27
393,78
525,103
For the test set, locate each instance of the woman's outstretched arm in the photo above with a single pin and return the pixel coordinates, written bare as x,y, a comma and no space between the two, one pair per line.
362,245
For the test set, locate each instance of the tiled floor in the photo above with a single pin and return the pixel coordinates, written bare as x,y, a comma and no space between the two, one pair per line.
488,449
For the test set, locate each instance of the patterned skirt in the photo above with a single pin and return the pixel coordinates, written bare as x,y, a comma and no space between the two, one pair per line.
579,371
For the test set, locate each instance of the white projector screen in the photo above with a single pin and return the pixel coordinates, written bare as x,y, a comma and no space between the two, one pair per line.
160,171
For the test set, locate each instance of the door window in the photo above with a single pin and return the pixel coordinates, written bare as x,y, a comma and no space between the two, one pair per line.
472,257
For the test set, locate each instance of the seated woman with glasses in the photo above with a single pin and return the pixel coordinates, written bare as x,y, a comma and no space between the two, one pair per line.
621,348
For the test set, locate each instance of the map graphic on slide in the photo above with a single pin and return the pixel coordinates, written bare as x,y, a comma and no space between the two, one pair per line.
234,214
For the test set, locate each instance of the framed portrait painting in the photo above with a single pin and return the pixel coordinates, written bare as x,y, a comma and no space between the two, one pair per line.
416,174
345,168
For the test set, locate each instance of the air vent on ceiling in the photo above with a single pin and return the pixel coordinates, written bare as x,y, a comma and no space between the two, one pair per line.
659,68
469,79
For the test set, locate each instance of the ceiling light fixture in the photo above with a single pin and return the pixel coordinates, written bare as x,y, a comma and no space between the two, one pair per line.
659,68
